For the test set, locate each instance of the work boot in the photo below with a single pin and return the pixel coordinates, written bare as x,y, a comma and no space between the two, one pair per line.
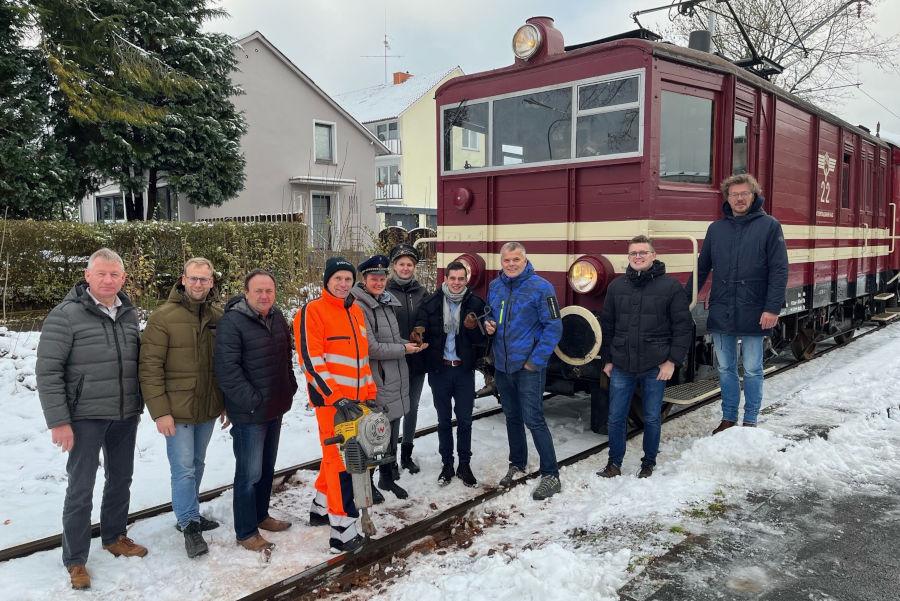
646,471
205,524
395,471
464,473
406,460
258,544
318,520
377,497
273,525
127,547
349,547
446,474
610,471
79,577
193,540
723,425
386,482
511,474
548,486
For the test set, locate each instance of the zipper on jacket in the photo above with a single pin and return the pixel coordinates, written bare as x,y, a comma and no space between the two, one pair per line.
78,390
356,344
505,328
121,376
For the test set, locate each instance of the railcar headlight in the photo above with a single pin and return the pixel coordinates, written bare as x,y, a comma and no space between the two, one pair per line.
474,265
527,41
583,276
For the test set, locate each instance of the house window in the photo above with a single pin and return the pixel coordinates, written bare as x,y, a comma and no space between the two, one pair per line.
166,205
110,208
387,131
469,139
388,174
407,222
324,142
320,221
686,140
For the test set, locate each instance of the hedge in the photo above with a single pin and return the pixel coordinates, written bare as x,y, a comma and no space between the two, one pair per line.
40,261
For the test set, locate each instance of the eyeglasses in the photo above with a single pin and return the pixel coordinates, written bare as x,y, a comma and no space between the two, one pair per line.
640,253
195,280
738,195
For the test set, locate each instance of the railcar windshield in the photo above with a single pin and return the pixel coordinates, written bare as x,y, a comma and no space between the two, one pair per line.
536,126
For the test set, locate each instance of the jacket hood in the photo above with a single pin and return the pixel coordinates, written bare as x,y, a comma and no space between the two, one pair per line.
526,273
359,292
640,278
755,211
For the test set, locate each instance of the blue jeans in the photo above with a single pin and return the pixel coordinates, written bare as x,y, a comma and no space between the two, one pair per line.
453,389
727,356
522,398
255,450
187,454
621,388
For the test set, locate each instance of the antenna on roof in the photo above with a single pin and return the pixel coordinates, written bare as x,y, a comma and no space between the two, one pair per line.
387,46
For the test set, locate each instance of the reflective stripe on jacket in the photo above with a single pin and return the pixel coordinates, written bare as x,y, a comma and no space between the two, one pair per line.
333,350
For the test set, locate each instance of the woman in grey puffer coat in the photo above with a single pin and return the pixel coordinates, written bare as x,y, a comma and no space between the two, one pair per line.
387,354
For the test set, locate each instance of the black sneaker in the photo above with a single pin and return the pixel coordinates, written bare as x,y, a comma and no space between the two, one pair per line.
446,475
610,471
646,471
548,486
354,544
511,474
317,520
205,524
464,473
193,540
393,487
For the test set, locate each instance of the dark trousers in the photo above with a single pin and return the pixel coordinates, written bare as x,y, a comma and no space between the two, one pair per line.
386,469
453,390
255,451
116,439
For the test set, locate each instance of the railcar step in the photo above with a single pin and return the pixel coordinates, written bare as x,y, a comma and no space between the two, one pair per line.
885,317
884,296
892,309
691,392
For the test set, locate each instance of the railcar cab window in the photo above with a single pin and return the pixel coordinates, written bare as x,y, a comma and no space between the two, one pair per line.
739,147
536,126
686,139
465,136
608,118
532,128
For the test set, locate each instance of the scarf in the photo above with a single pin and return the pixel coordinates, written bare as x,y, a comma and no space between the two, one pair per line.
400,281
452,307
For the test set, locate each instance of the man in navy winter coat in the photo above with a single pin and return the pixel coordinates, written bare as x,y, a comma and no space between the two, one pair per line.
746,253
526,327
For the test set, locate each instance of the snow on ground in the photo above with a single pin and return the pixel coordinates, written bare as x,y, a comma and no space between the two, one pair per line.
583,544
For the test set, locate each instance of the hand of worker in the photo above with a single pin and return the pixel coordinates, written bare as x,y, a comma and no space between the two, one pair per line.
165,425
607,369
665,371
416,335
63,437
768,320
348,409
490,327
223,419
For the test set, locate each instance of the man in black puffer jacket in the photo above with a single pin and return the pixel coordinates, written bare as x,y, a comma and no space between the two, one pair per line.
255,372
647,331
450,321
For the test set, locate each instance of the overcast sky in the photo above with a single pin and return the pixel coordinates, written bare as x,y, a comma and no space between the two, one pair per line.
327,39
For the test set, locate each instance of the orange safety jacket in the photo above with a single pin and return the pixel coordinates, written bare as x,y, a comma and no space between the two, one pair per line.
333,351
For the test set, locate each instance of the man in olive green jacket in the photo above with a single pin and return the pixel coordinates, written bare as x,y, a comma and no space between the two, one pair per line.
180,390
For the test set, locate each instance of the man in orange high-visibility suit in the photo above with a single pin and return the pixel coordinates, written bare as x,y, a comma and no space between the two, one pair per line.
333,351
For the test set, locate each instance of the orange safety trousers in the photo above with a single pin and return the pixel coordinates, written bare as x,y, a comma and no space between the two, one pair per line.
333,351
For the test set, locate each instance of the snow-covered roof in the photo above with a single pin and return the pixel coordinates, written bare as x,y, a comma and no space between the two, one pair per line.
388,101
380,148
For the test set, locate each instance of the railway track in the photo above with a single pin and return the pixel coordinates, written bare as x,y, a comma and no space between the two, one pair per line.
344,570
52,542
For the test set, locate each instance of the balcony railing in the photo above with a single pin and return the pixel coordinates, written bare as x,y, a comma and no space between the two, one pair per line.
393,146
388,191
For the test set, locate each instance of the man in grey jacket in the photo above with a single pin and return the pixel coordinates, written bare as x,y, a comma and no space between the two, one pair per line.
87,366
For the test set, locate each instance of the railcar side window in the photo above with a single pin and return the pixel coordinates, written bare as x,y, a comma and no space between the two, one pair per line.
686,140
465,136
845,181
532,128
739,147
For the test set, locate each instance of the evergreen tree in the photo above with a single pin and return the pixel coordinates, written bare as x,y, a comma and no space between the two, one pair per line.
37,177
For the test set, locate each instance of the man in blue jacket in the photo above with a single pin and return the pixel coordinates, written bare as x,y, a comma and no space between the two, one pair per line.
746,253
526,327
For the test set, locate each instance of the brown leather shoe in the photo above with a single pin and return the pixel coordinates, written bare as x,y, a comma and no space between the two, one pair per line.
723,425
257,543
273,525
79,577
610,471
127,547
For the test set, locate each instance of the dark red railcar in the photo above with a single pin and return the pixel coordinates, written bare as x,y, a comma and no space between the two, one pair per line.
574,150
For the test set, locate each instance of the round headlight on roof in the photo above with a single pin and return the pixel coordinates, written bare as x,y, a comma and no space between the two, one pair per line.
527,41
